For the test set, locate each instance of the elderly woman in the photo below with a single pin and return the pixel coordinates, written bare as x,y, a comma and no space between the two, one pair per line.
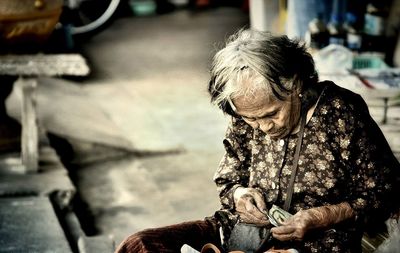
308,147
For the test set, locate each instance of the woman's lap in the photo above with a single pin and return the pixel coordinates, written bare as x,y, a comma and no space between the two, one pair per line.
171,238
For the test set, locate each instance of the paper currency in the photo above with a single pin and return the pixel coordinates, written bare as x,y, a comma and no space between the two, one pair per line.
277,215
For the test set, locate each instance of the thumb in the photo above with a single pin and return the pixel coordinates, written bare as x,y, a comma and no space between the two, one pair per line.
260,203
249,204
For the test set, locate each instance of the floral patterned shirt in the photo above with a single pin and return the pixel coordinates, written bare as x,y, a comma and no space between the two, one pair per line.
344,157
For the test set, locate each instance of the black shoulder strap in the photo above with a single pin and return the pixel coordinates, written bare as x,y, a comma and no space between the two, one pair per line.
290,189
265,243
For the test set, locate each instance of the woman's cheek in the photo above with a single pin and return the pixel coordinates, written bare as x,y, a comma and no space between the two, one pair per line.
254,125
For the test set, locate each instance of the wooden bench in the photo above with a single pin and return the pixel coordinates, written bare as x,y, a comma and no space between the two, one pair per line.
28,68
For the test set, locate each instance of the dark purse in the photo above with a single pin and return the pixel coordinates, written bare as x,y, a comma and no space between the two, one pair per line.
248,238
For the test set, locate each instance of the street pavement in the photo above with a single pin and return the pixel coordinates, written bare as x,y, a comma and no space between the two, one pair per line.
150,77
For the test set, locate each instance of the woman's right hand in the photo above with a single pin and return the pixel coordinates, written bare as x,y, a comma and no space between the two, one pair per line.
250,205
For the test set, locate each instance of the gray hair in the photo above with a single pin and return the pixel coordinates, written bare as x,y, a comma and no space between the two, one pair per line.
252,61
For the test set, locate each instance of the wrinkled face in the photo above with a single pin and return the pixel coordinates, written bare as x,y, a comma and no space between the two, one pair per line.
272,116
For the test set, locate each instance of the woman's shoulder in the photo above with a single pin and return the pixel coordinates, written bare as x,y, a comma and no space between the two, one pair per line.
340,110
339,99
239,128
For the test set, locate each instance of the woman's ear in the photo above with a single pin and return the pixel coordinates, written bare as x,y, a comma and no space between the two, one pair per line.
297,85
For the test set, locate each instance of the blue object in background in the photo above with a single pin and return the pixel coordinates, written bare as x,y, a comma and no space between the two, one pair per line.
301,12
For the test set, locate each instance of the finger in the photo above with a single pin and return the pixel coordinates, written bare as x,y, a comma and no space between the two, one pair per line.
259,215
250,204
250,218
260,203
284,237
283,230
242,203
245,205
247,210
254,212
252,209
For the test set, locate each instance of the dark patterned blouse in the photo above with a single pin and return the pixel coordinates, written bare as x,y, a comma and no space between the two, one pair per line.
344,157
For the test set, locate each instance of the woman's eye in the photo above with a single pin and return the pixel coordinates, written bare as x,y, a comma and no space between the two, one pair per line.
272,115
249,119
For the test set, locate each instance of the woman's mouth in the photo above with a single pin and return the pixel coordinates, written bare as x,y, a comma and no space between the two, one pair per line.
277,134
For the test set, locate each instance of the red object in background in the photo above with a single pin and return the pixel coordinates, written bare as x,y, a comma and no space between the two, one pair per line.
202,3
361,78
246,6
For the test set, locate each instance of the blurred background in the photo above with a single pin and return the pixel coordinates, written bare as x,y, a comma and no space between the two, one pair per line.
105,122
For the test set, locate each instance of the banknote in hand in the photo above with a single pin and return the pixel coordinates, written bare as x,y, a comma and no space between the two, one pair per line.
277,215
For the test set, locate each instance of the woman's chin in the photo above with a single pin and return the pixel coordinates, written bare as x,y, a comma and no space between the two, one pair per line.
277,135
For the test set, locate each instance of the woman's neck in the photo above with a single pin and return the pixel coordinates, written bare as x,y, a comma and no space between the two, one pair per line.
312,101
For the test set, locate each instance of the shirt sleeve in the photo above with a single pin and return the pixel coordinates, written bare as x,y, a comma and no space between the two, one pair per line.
373,169
233,170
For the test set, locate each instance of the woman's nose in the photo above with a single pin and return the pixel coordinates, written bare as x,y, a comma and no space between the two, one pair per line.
255,125
265,126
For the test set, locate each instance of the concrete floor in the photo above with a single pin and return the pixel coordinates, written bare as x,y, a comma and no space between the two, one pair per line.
150,76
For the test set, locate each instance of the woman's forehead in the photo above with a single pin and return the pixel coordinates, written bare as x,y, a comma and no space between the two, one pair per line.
257,102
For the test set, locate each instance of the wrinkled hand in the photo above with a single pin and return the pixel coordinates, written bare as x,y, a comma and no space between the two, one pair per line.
250,206
299,224
294,228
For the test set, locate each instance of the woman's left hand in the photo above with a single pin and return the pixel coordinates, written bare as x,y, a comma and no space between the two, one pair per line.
294,228
321,217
